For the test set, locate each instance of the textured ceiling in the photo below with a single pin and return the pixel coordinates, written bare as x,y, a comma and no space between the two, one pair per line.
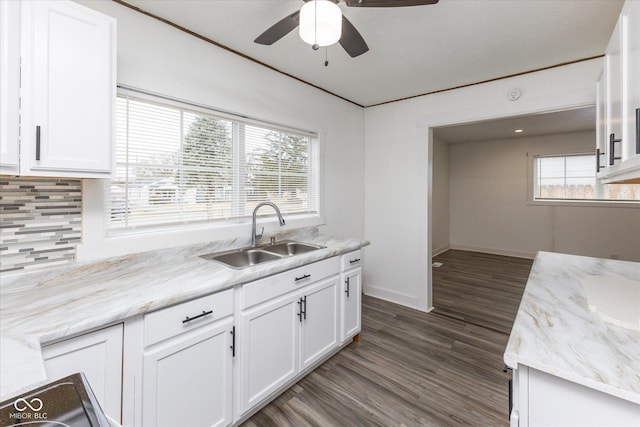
413,50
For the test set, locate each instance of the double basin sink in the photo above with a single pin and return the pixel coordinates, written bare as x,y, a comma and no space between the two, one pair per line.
248,257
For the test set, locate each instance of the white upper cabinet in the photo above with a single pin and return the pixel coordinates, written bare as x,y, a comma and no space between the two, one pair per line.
621,96
68,79
631,79
9,85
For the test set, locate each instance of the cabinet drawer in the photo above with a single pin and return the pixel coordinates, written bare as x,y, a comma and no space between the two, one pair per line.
172,321
352,260
261,290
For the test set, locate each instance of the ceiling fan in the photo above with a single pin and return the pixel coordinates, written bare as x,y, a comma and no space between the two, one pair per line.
350,39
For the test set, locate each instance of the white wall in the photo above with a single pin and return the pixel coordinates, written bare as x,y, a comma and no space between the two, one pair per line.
161,59
397,189
440,197
490,210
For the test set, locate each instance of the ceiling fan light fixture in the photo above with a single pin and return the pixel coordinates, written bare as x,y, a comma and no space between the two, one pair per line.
320,23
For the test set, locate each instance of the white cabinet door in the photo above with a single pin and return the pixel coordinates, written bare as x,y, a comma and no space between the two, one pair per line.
319,324
613,93
350,302
268,349
68,90
631,78
9,85
99,356
187,381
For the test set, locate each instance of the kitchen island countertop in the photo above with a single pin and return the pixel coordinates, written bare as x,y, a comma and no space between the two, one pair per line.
556,332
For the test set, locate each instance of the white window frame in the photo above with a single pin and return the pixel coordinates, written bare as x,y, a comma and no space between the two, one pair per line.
96,244
532,201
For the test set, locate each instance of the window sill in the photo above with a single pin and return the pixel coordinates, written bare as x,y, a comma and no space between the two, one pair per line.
584,203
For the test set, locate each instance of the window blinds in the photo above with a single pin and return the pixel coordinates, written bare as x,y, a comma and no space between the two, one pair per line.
176,166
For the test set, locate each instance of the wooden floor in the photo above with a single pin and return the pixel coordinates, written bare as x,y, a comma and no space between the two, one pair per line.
411,368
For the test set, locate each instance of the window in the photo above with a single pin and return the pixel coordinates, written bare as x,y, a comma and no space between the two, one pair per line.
180,166
573,177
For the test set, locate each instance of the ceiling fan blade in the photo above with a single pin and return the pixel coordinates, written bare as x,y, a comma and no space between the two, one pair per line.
351,40
279,29
388,3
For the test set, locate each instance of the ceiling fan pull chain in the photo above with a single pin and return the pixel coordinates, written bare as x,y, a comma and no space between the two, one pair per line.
326,56
315,26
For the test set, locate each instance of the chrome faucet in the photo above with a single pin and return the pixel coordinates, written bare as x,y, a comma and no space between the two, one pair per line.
254,235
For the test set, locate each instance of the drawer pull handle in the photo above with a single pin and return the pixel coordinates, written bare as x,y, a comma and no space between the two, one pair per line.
353,261
306,276
204,313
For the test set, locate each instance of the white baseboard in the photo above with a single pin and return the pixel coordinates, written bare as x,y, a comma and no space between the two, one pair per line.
438,251
391,296
494,251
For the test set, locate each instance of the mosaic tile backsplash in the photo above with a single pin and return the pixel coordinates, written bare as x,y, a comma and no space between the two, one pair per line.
40,222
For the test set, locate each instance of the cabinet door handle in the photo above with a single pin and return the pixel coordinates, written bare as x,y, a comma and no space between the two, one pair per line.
204,313
598,165
612,149
637,130
38,143
347,291
233,341
353,261
304,301
300,309
306,276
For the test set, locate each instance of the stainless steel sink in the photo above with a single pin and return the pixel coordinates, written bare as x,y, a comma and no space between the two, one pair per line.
247,257
291,248
242,258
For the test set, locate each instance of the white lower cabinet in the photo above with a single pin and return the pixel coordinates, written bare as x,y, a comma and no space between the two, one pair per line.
215,360
319,324
350,295
98,355
288,323
544,400
188,363
268,351
283,337
187,381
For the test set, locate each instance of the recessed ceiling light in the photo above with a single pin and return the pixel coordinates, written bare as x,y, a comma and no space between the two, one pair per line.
518,130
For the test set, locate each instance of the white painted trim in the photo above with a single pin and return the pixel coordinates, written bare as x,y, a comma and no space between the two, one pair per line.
423,203
437,251
558,101
395,297
494,251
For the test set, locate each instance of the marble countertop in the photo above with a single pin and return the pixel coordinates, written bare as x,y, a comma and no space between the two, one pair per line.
556,332
48,305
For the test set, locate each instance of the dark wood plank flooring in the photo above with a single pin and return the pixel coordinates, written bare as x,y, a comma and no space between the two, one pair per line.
411,368
482,289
